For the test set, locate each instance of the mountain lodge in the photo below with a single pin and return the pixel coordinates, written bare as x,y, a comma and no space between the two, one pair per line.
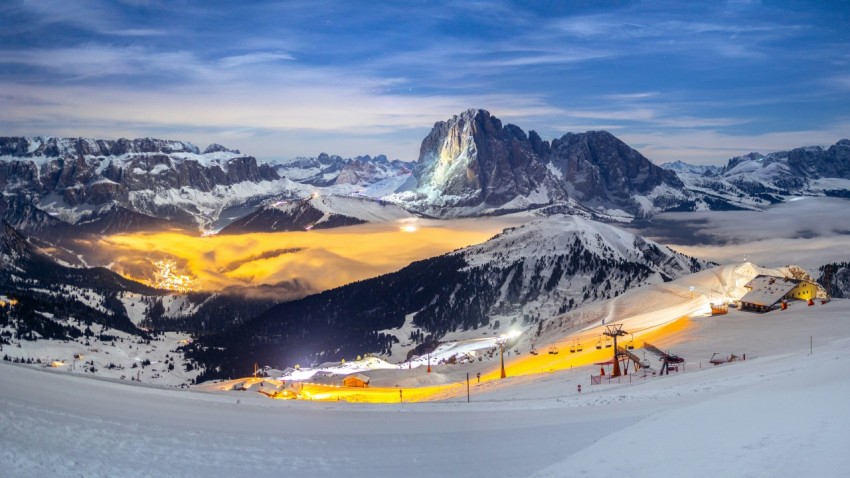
356,380
767,292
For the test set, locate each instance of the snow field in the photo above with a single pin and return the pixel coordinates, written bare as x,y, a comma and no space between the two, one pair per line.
779,413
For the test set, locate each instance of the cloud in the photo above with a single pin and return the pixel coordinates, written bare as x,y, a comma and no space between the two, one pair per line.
549,58
97,60
96,16
137,32
631,96
252,58
799,232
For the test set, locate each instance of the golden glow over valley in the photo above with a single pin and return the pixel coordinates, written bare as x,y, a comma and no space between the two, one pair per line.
318,259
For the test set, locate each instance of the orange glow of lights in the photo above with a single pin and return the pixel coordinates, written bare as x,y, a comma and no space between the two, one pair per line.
167,277
525,365
323,258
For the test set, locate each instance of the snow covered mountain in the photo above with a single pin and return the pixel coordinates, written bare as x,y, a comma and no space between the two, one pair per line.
82,180
114,186
316,211
523,275
755,180
694,169
472,164
329,170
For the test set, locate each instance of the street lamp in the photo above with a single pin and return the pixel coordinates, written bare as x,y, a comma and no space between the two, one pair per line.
502,340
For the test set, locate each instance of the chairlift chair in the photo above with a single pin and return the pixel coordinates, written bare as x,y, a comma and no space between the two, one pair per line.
573,347
578,347
608,343
599,344
553,350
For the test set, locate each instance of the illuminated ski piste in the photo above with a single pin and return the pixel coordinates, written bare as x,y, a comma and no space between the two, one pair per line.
524,365
658,314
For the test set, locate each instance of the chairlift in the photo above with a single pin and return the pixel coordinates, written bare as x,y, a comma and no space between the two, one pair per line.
533,351
578,347
553,350
573,347
599,343
608,343
630,345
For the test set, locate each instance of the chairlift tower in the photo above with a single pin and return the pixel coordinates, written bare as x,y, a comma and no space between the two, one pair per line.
502,340
614,331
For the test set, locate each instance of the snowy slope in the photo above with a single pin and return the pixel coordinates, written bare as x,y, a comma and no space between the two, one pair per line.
779,413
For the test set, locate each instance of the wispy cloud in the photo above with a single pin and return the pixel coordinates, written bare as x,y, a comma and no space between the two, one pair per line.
137,32
96,60
251,58
631,96
545,58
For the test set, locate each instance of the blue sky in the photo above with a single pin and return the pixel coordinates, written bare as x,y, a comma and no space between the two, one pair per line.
699,82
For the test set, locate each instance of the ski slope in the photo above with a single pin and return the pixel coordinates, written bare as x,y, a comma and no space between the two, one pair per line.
779,413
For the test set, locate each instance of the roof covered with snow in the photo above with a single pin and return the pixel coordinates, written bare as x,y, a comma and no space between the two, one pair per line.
767,290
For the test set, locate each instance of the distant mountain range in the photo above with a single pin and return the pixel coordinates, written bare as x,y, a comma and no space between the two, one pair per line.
469,165
755,180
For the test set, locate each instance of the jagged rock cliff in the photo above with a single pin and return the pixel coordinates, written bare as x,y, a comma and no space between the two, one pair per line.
472,164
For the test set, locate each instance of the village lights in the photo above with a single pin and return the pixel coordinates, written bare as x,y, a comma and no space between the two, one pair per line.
167,277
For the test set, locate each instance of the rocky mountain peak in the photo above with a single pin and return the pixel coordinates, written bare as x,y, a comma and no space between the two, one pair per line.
472,159
603,171
740,159
217,148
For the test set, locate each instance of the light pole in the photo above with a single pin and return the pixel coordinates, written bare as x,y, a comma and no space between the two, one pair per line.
501,340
